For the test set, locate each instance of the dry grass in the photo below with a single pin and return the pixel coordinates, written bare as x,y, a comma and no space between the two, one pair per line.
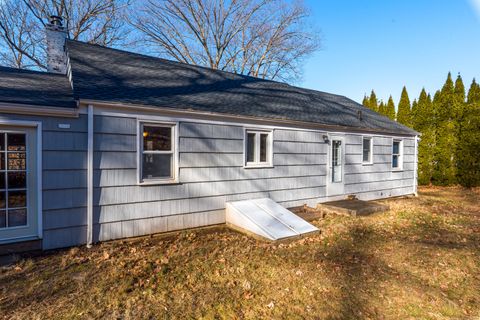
420,260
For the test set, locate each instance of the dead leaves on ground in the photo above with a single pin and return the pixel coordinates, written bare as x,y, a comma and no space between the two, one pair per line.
418,259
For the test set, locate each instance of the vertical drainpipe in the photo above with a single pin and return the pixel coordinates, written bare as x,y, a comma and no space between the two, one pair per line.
90,177
415,167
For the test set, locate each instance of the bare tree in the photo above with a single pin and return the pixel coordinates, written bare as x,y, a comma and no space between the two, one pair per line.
22,26
262,38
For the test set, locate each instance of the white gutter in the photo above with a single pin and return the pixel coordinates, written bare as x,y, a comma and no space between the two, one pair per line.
7,107
90,177
134,109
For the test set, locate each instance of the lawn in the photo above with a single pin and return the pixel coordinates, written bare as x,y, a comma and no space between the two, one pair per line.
420,260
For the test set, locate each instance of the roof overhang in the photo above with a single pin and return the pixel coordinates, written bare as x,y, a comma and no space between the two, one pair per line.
213,116
16,108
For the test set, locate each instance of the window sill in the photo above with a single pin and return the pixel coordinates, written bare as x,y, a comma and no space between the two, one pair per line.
257,166
397,169
367,163
157,182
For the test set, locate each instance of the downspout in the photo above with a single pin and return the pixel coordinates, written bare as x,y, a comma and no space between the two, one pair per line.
415,168
90,176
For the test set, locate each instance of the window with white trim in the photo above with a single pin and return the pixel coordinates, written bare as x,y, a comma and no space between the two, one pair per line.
258,148
157,152
367,150
397,153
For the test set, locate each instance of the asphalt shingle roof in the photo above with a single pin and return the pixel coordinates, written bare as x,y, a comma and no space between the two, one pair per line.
111,75
35,88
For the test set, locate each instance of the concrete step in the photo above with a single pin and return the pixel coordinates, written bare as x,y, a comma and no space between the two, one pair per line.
353,207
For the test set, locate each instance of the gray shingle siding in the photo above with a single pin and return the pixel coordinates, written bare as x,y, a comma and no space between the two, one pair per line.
211,172
63,179
123,208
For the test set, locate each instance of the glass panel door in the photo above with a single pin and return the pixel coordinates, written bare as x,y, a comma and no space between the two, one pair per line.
337,161
13,180
18,184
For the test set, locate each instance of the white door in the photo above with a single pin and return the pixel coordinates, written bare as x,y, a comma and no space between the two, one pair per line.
336,159
18,194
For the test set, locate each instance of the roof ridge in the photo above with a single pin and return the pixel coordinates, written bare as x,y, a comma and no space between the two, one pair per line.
176,62
206,68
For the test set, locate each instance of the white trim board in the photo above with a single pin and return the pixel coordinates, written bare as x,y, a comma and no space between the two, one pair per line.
90,153
170,114
13,108
243,124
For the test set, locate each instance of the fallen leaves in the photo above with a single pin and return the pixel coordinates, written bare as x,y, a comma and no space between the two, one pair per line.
407,263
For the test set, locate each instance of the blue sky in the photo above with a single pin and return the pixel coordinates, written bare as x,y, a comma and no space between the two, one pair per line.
385,44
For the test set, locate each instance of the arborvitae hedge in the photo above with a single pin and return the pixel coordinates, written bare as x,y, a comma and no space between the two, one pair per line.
449,147
390,112
373,102
446,139
424,122
403,113
468,151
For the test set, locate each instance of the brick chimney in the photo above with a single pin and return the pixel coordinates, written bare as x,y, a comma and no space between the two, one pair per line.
56,56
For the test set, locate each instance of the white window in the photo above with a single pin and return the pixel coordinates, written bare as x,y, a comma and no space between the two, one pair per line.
397,161
258,148
157,152
367,150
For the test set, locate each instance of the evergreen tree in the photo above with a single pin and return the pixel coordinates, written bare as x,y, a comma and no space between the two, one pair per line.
468,156
474,92
459,91
449,148
382,108
403,112
458,115
366,101
413,112
373,102
445,140
423,122
390,109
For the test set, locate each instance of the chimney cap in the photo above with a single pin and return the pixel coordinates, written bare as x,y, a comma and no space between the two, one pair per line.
56,20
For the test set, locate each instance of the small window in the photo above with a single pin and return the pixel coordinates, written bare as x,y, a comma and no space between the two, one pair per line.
397,154
258,148
157,152
367,150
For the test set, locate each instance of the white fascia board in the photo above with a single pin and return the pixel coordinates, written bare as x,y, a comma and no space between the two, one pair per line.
38,110
171,114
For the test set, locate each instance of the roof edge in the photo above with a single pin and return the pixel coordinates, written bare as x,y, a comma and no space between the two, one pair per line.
235,118
40,110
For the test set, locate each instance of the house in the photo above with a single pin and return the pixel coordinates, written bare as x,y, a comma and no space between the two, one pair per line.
110,144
